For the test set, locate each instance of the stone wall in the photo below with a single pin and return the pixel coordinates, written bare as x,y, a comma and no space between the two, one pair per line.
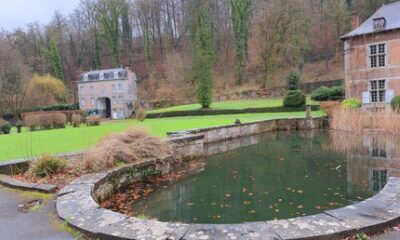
226,132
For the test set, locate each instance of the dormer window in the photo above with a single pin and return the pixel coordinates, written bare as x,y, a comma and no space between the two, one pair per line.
101,77
379,24
115,75
85,77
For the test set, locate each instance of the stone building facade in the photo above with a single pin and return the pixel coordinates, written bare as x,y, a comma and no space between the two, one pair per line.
109,92
372,58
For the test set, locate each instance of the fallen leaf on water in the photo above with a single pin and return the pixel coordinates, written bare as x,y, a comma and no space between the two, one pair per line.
300,191
246,203
300,206
252,211
190,204
317,207
227,195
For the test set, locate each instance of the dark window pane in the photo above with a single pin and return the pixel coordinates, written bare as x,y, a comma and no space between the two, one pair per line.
373,61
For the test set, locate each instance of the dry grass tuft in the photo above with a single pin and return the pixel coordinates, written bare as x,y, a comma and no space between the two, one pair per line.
358,120
130,146
329,106
140,114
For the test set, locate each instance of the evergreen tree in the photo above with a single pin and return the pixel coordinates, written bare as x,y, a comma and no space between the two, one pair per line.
240,13
55,58
203,54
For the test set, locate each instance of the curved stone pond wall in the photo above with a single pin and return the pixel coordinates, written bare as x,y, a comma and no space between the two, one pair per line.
77,203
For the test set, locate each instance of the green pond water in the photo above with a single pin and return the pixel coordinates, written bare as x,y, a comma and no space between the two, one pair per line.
284,175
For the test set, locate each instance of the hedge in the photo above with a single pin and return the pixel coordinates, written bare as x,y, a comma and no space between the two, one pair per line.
204,112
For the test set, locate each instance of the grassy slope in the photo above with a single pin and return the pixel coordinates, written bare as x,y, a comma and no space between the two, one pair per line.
256,103
71,139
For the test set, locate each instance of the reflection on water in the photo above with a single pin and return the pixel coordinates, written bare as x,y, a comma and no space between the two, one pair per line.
371,159
277,175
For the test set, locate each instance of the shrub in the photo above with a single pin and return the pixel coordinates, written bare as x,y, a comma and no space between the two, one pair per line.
19,125
293,80
337,93
47,166
325,93
59,120
32,122
76,120
351,103
294,98
130,146
45,121
395,103
93,120
5,127
321,94
140,114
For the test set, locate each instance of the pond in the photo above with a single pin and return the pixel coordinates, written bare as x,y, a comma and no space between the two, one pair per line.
282,175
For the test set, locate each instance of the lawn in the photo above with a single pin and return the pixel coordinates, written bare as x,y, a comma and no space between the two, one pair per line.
28,144
242,104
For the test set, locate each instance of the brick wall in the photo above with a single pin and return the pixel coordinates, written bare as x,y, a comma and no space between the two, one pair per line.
357,70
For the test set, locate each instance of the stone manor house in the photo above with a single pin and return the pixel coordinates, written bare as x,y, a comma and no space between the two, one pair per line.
372,58
109,92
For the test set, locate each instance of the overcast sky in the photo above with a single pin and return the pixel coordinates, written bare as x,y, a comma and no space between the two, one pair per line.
18,13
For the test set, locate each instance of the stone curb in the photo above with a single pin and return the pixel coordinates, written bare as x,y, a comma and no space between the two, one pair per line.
38,187
76,205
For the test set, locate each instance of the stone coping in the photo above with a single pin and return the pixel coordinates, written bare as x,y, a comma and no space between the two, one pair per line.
38,187
77,205
201,130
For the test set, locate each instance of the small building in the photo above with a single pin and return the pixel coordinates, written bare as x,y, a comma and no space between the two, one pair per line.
372,58
109,92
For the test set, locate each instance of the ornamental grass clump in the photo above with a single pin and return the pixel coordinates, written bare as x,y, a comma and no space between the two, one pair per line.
47,166
93,120
358,120
76,120
140,114
131,146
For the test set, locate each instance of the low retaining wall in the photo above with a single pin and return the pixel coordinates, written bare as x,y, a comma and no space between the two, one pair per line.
78,204
227,132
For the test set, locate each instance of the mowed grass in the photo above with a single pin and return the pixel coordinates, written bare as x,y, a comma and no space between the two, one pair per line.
242,104
29,144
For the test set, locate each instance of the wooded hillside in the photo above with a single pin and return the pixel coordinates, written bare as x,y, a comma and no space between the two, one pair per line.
255,44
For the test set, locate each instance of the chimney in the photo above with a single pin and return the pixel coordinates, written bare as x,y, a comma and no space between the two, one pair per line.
355,21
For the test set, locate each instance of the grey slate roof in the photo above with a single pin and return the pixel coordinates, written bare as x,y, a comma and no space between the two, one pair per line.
391,12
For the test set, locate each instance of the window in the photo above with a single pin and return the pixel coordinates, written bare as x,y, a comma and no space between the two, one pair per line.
113,87
85,77
101,77
120,99
91,89
377,55
377,90
120,86
114,100
92,101
82,102
115,75
81,89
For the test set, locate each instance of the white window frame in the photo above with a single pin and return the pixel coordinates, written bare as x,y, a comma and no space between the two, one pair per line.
82,102
85,78
369,55
120,87
92,101
101,76
115,75
81,90
92,89
377,90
